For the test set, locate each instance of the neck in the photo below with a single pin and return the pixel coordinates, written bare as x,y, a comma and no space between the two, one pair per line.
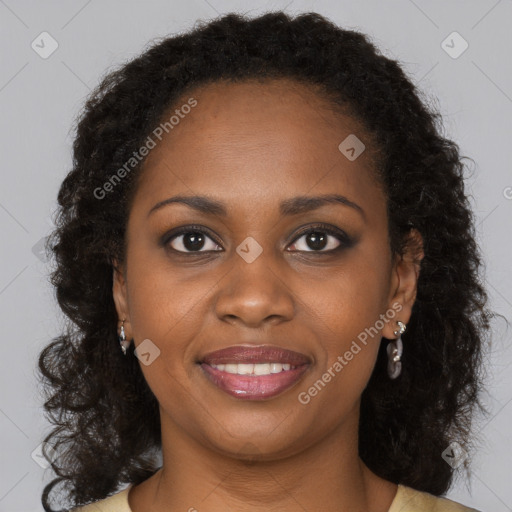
328,475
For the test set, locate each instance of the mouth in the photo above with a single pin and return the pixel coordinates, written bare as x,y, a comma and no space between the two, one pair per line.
254,372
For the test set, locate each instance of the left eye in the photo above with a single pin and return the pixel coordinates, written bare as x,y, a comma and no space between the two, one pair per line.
318,238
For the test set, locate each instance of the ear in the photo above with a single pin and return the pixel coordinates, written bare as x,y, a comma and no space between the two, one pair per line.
120,294
404,281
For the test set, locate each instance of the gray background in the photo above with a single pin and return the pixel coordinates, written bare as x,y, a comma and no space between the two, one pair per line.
39,99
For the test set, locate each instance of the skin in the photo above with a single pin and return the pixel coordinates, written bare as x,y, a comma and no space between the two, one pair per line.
252,145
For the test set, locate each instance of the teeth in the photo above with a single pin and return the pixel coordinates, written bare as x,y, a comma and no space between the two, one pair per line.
253,369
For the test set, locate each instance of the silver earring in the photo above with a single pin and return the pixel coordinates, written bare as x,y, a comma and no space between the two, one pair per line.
123,342
394,350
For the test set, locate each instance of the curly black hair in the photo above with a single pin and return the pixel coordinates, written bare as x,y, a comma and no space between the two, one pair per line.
106,419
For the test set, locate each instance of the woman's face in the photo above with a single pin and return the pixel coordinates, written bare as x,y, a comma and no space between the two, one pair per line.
253,276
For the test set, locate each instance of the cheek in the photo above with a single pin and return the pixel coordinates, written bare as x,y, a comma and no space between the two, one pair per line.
353,295
162,294
168,306
167,309
351,310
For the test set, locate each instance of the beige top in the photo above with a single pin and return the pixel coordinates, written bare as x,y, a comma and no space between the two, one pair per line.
406,500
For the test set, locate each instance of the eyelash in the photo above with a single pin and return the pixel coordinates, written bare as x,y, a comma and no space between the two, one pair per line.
345,241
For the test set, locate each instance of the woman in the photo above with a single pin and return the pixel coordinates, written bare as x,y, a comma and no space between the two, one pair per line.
267,254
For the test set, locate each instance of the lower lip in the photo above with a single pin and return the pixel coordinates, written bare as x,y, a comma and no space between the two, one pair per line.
249,387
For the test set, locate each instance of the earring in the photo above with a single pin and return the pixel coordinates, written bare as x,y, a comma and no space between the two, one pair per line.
394,350
123,342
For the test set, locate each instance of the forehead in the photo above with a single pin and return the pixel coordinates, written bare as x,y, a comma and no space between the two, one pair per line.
251,141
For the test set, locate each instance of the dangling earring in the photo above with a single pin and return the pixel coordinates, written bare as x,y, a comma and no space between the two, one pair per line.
123,342
394,350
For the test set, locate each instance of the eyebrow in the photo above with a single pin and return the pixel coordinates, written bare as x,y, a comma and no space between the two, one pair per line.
289,207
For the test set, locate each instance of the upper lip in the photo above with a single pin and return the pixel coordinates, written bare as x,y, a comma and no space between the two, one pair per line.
255,354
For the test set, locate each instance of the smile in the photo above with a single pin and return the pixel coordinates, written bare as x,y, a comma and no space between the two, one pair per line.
254,369
251,372
251,385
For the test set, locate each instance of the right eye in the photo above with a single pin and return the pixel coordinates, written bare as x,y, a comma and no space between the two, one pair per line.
190,239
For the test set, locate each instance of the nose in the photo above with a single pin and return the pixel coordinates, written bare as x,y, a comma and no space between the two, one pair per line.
255,294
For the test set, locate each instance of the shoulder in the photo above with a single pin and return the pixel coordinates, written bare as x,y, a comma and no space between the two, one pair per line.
411,500
116,503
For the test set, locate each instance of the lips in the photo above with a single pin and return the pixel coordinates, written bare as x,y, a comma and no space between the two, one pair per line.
256,354
287,367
